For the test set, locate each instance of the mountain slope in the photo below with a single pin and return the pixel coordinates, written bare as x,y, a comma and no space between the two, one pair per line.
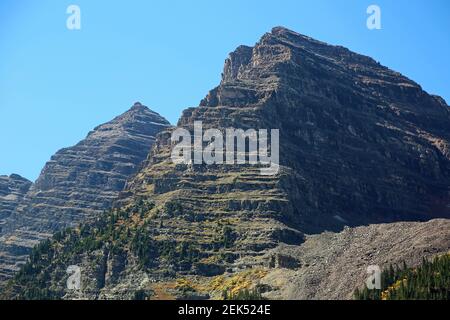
333,265
12,190
359,144
79,182
429,281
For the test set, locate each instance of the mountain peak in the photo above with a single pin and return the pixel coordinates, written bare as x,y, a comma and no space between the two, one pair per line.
276,47
282,30
138,117
77,184
142,110
137,106
16,176
283,56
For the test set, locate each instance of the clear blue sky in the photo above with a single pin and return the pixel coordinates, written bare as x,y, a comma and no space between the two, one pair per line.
57,84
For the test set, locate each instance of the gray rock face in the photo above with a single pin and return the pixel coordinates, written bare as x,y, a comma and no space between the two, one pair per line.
364,144
12,190
77,183
83,180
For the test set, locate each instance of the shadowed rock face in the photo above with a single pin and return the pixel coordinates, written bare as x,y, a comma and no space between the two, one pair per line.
80,182
359,144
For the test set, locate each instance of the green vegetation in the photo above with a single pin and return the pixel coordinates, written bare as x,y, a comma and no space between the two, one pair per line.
430,281
133,229
43,276
142,295
173,208
33,278
225,236
181,255
144,247
228,237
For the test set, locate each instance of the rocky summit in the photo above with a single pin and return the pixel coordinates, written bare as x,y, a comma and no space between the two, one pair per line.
78,183
362,148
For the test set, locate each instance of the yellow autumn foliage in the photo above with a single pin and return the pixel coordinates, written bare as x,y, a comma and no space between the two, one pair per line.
240,281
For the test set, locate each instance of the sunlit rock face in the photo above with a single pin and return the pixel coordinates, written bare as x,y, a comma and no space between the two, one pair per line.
77,183
12,190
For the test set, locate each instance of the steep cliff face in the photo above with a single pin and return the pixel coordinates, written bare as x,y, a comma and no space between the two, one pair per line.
364,143
12,190
359,144
79,182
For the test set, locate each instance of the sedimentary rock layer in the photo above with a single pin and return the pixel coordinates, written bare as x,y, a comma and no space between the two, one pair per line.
79,182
